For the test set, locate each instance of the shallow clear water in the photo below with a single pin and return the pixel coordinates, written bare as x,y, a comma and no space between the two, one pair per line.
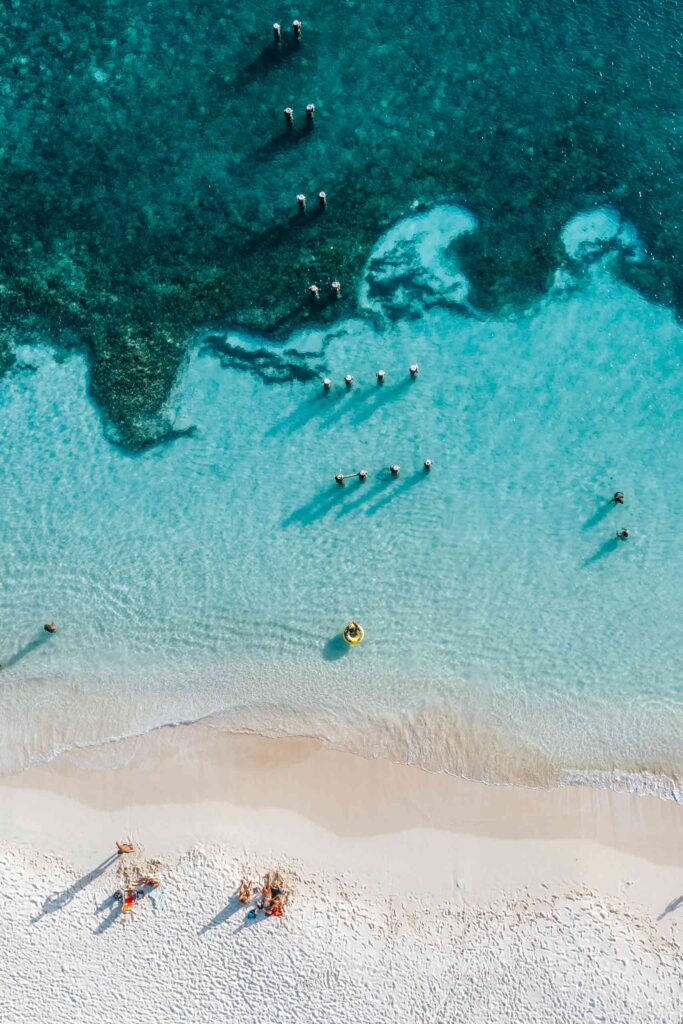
509,635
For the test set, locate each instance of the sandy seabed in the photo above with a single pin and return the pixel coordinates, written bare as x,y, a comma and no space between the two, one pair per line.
414,897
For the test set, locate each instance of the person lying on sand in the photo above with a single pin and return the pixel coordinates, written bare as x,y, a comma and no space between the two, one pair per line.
265,892
150,882
245,891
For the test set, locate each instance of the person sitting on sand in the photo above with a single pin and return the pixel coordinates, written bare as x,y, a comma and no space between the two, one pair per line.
277,906
125,848
272,887
245,892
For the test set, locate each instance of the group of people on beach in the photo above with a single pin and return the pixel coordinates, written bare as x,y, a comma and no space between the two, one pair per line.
273,895
271,901
129,896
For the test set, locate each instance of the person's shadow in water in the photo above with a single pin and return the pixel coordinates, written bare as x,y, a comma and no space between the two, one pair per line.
383,395
287,139
32,645
603,509
317,508
400,487
366,492
605,549
335,648
271,58
58,900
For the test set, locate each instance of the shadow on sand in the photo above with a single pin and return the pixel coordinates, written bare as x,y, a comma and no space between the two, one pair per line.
673,906
248,921
223,915
115,911
59,900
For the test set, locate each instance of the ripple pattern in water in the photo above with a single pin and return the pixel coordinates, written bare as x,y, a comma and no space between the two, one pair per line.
510,636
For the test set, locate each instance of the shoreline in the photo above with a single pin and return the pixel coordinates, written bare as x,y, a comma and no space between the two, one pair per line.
192,785
414,896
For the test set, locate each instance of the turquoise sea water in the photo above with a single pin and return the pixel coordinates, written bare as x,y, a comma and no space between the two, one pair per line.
148,182
509,635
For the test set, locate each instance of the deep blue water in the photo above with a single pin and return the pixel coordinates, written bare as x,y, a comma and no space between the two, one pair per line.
148,181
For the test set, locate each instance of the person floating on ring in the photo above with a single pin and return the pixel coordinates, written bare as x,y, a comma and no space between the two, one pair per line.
353,634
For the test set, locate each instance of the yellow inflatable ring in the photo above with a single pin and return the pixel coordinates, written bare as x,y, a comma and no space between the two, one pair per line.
353,634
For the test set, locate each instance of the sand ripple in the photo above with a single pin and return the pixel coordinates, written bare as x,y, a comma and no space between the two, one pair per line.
343,953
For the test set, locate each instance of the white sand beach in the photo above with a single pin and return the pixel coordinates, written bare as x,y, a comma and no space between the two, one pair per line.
414,897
